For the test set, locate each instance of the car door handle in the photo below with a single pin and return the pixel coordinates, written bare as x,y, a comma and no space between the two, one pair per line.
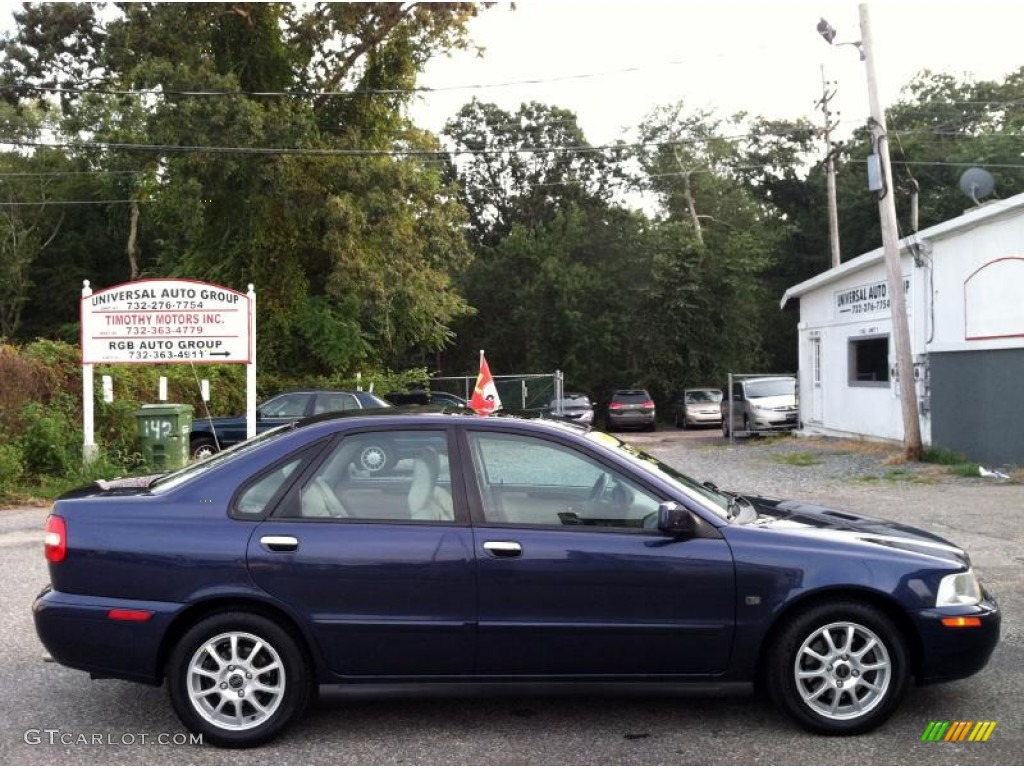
503,548
280,543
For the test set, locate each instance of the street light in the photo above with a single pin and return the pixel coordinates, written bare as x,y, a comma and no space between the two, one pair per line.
828,32
890,241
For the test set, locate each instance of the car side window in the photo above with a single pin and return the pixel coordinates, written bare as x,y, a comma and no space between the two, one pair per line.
334,401
528,481
347,485
255,500
291,405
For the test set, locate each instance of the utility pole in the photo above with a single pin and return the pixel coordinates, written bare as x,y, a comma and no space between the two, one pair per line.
830,169
891,247
688,195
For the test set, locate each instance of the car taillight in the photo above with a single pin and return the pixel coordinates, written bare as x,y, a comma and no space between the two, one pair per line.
55,544
614,406
647,404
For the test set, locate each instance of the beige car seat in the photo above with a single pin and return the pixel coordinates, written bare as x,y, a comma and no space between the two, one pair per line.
427,499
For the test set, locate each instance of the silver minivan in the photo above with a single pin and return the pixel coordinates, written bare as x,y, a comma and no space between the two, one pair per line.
761,404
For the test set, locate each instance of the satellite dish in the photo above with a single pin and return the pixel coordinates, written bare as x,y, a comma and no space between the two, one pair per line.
977,183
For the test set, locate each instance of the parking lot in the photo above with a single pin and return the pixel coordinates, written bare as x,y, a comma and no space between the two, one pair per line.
56,715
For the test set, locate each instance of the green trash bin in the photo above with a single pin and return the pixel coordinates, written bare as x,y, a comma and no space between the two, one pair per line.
163,434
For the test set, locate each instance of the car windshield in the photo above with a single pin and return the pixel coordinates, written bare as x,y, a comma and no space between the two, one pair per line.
710,499
771,388
370,400
704,396
173,479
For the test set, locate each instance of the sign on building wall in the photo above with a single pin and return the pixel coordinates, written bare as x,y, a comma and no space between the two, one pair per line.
166,321
866,300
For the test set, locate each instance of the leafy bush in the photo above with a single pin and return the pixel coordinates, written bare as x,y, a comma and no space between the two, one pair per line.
50,442
11,467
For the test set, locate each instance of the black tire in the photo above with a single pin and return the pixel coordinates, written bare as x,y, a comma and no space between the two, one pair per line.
869,650
653,427
725,426
681,423
197,698
202,447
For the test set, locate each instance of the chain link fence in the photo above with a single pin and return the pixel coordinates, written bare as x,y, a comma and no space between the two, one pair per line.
518,391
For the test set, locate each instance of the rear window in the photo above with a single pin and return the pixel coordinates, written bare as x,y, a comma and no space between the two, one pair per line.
631,396
572,401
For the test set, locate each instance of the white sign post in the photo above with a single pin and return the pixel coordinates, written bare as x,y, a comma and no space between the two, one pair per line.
166,321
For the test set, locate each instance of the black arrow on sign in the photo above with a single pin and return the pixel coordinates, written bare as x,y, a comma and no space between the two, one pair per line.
220,354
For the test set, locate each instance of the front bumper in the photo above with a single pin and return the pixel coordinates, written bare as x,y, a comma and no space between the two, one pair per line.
951,653
78,632
714,417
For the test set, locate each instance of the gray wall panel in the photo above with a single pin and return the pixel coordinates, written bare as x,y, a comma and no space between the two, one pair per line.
978,404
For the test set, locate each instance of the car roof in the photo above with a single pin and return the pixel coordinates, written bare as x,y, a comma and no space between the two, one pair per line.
440,415
703,389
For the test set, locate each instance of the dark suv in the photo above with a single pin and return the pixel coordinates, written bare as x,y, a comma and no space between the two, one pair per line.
631,408
210,435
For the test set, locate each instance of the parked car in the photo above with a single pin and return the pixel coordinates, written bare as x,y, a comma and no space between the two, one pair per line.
543,553
210,435
762,404
631,408
573,406
699,406
426,397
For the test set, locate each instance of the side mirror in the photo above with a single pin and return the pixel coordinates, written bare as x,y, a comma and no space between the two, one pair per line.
675,520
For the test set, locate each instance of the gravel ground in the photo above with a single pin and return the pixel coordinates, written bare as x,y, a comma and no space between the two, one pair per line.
794,467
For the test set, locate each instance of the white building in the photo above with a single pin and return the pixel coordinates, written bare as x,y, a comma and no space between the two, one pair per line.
965,300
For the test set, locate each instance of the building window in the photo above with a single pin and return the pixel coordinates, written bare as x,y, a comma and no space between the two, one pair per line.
869,361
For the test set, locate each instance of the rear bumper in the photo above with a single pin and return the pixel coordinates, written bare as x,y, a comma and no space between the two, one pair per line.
953,653
78,633
630,418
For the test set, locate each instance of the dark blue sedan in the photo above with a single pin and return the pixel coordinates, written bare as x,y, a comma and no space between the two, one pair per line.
501,550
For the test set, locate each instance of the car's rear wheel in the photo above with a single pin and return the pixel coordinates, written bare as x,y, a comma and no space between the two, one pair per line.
725,427
839,668
238,679
202,448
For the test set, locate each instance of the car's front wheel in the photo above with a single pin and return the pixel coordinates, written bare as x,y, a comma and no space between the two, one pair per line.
238,679
839,668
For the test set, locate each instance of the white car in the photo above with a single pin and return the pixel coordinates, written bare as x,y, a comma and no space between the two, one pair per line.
575,407
762,404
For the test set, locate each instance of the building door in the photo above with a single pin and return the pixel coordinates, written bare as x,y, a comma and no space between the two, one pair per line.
816,390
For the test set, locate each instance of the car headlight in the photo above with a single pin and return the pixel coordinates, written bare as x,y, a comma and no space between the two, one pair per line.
958,589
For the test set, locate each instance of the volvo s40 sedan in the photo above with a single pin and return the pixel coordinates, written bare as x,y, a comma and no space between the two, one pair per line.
502,550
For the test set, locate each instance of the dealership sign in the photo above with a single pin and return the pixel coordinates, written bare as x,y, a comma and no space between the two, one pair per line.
166,321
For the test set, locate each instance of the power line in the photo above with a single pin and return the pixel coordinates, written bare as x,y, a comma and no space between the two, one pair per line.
346,93
74,202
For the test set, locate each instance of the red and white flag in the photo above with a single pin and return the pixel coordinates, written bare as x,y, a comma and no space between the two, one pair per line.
485,398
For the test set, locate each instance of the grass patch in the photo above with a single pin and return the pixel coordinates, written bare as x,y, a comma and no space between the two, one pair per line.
938,455
846,445
964,470
798,459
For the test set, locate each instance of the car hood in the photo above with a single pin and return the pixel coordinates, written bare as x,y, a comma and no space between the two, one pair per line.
775,401
218,421
823,523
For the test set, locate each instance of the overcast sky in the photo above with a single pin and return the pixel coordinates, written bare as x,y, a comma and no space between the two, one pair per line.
764,58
